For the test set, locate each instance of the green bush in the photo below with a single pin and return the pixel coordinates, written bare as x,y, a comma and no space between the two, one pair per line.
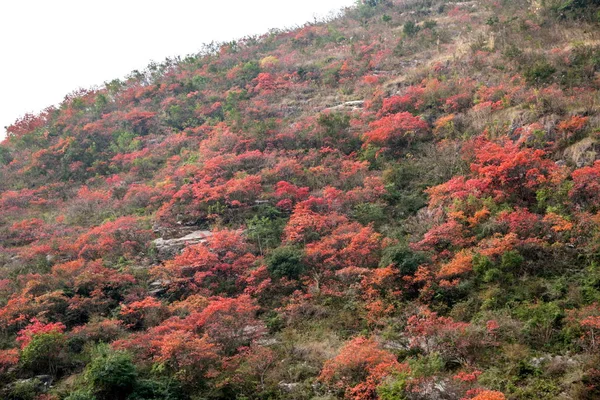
81,395
410,28
334,123
26,389
148,389
367,213
286,262
539,73
5,156
111,374
573,9
44,354
394,388
264,231
406,260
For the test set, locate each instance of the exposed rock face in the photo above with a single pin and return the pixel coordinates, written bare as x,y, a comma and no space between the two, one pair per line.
351,105
289,387
437,390
168,248
583,152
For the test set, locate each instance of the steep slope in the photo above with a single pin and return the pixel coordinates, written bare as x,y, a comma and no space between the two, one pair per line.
399,203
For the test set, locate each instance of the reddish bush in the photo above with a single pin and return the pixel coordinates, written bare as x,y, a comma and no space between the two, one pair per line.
359,368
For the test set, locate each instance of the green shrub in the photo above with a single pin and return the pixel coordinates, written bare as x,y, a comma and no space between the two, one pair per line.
410,28
26,389
572,9
539,73
111,374
367,213
265,231
81,395
406,260
44,354
394,388
334,123
286,262
5,156
149,389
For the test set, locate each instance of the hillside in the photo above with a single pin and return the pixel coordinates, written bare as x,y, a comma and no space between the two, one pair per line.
402,202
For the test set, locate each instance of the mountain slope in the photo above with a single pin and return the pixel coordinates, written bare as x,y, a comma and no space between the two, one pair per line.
399,203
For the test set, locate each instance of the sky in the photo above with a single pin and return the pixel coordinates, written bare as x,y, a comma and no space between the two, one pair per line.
49,48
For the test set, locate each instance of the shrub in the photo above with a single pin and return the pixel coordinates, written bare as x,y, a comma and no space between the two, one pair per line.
539,73
44,353
334,123
572,9
81,395
111,374
26,389
410,28
286,262
5,156
406,260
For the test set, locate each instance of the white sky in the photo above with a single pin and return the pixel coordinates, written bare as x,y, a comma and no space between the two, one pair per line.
49,48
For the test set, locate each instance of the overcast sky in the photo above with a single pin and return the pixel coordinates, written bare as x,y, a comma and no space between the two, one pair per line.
49,48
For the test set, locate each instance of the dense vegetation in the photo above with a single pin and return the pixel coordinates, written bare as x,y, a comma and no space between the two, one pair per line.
401,202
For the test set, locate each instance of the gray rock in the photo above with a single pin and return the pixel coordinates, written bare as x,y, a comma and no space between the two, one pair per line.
288,387
46,380
168,248
352,105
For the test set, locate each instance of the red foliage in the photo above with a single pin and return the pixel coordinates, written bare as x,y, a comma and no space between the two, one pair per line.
28,230
586,186
27,124
489,395
189,355
144,313
432,333
306,225
456,188
266,82
395,129
588,320
121,237
218,266
521,221
572,126
467,377
459,265
511,171
8,358
288,194
347,245
139,119
450,234
360,367
37,327
230,322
